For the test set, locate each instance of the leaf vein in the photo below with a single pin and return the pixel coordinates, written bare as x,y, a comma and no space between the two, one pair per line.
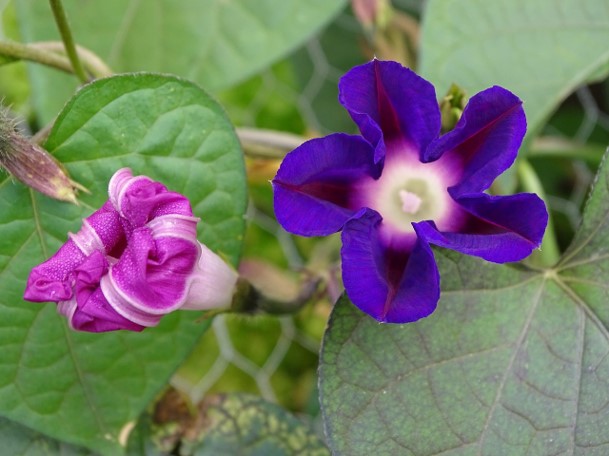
510,365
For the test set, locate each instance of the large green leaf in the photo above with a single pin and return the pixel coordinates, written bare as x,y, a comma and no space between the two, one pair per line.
88,388
513,361
18,440
541,49
250,426
213,42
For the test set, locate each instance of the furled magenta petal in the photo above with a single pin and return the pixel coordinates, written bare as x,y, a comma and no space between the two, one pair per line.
89,310
212,282
168,275
387,100
123,304
52,280
101,231
97,315
140,199
502,229
313,188
88,275
154,273
486,139
392,286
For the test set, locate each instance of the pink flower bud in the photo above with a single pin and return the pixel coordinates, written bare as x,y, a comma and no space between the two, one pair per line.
134,260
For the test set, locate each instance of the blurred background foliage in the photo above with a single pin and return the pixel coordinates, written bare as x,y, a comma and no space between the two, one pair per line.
276,357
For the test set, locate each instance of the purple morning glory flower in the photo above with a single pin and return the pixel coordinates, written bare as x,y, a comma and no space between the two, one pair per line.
133,261
400,187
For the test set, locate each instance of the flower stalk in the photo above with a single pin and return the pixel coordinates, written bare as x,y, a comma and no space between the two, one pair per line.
262,287
250,299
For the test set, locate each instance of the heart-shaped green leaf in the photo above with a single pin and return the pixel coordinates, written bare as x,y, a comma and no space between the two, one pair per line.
541,50
90,388
213,42
512,362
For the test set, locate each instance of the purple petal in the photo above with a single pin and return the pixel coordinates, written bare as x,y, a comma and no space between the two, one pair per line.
391,103
89,310
486,139
391,285
313,188
503,229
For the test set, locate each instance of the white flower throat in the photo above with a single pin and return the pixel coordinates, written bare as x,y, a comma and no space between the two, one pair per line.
408,192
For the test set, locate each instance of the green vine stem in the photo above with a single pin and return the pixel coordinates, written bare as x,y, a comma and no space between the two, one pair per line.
66,37
19,51
93,64
269,144
565,148
51,54
550,253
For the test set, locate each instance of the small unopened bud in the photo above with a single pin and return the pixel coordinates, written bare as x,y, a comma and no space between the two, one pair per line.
452,106
32,165
372,13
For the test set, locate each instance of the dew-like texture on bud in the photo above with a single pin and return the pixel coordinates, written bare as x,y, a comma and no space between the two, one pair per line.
31,164
134,260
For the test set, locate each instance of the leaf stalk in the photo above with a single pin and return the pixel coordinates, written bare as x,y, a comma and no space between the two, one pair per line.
550,252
